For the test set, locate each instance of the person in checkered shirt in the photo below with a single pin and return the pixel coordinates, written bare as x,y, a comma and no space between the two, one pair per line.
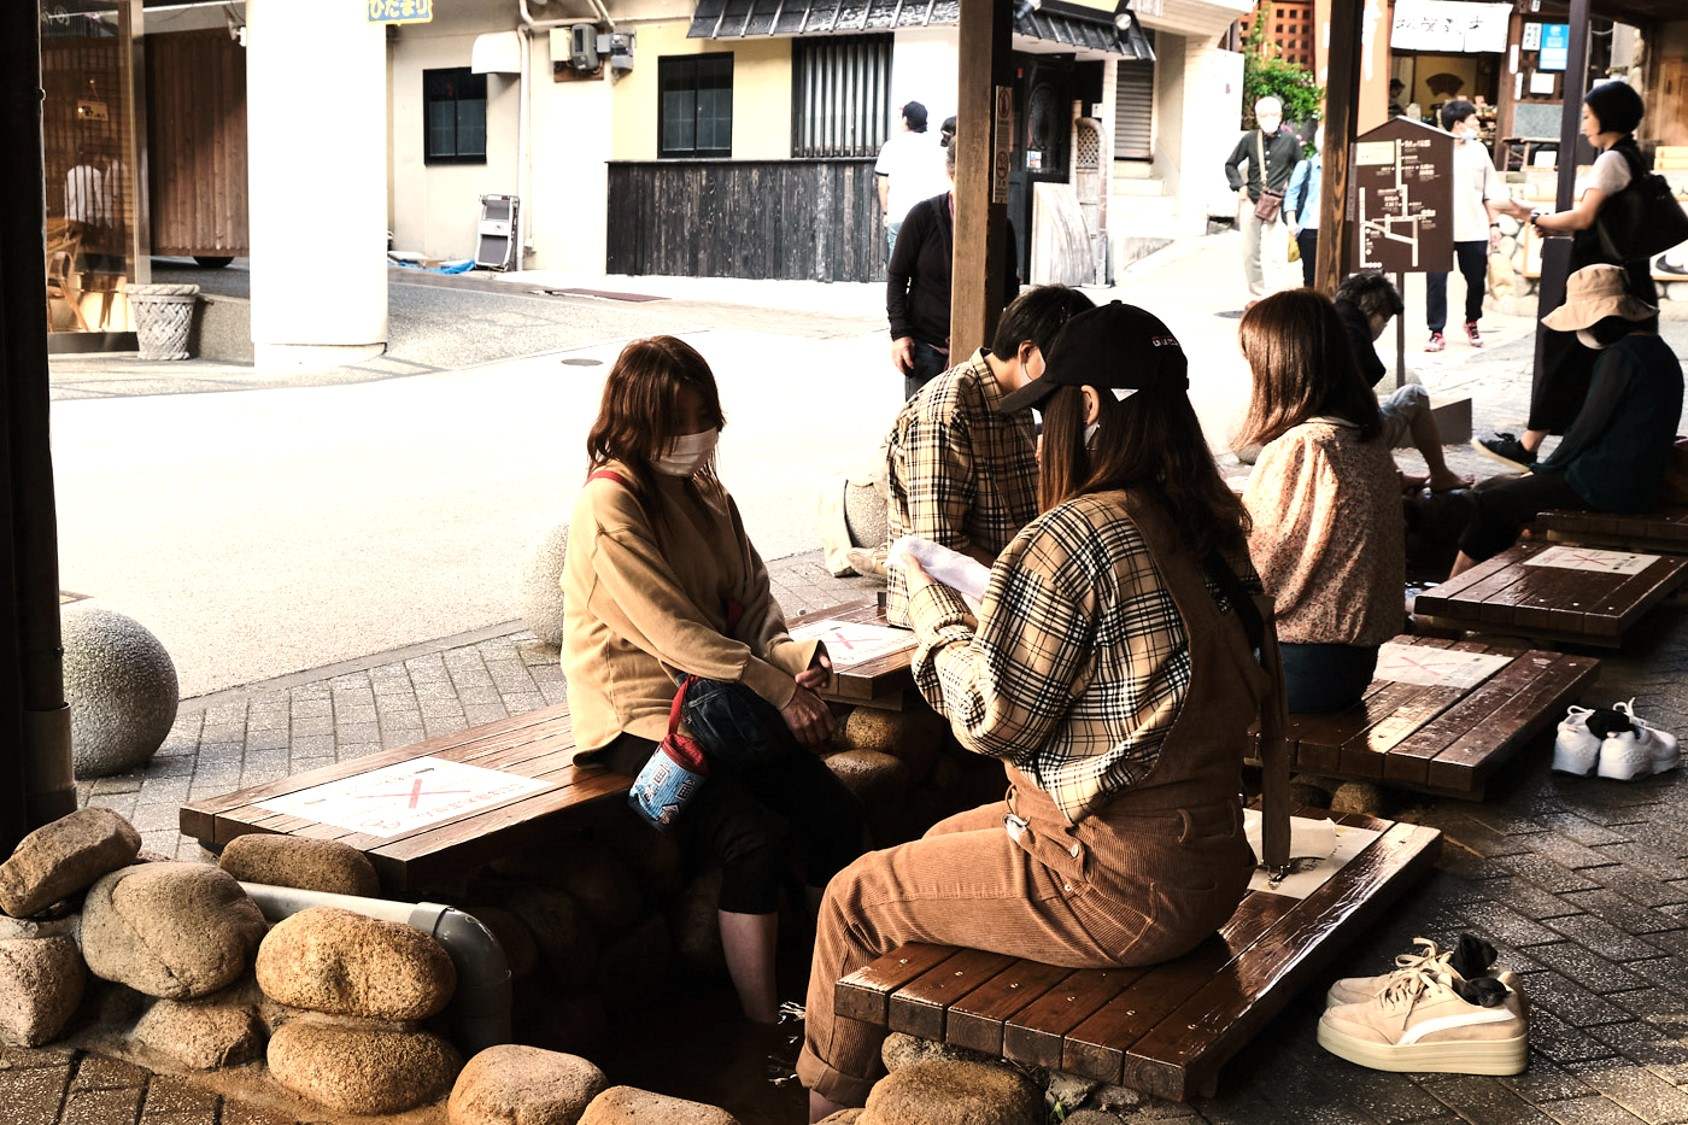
1112,666
960,472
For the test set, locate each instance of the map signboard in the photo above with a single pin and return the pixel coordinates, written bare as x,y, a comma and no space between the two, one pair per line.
1402,200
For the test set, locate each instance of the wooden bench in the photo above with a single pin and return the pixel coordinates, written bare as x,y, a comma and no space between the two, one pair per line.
1442,738
1587,596
436,830
1662,532
1167,1029
885,682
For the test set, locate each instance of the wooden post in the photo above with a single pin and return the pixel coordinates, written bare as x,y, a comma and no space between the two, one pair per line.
1335,259
1274,750
983,139
1401,334
1556,249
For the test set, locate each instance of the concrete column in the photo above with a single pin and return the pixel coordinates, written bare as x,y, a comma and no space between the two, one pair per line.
316,113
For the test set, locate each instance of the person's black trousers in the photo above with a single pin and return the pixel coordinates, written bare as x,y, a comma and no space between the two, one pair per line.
1473,261
1308,240
755,822
1505,506
929,363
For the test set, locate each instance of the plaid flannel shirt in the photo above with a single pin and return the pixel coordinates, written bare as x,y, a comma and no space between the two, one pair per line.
1078,663
960,473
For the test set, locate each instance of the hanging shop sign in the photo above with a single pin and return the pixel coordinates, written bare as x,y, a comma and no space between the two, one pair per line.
1555,46
1450,26
401,11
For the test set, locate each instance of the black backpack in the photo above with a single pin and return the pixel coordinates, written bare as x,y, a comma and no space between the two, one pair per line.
1644,218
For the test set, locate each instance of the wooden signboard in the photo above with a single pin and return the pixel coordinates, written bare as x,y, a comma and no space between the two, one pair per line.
1403,198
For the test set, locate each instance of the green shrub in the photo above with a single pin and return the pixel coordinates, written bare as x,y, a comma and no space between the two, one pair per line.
1264,74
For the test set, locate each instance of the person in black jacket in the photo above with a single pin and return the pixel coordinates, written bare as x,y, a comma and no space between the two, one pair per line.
917,286
1278,150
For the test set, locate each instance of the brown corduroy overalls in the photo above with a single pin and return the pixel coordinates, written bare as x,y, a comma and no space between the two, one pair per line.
1143,880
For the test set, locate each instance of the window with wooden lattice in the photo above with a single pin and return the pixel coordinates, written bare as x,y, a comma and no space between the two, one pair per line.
1289,29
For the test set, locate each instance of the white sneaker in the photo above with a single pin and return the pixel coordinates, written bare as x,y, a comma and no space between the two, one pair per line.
1627,755
1576,750
1421,1023
1355,990
1666,754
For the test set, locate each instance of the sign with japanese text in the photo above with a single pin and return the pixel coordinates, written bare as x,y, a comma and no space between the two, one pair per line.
1002,143
1403,198
1555,46
401,11
1454,26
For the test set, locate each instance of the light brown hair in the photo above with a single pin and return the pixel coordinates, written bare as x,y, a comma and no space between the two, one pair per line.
1304,367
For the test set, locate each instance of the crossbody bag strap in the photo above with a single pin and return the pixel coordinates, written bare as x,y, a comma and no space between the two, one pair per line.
1254,625
1260,158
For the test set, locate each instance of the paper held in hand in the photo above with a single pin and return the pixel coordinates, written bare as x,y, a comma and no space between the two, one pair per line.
849,643
966,576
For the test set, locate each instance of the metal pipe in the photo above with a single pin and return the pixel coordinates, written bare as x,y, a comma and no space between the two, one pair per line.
524,126
480,1008
545,25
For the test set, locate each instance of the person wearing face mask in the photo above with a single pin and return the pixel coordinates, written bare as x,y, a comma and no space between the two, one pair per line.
1479,194
1615,455
1111,668
661,582
960,472
1258,171
1324,501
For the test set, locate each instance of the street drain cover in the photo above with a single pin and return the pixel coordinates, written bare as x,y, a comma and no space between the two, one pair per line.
582,362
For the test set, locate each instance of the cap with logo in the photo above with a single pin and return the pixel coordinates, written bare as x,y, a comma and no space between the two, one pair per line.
1115,347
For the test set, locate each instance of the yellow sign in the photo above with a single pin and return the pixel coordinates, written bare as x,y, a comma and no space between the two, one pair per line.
401,11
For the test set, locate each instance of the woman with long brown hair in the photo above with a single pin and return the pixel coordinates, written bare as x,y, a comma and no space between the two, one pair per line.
1324,500
1111,667
661,583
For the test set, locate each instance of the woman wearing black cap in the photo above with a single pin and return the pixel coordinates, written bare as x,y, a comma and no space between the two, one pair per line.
1611,113
1111,667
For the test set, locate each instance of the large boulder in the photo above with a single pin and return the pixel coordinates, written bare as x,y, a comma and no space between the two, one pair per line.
949,1092
600,884
560,928
59,859
294,861
881,783
171,930
332,960
542,585
41,983
865,515
913,736
122,690
515,1085
32,929
201,1034
901,1049
361,1070
624,1105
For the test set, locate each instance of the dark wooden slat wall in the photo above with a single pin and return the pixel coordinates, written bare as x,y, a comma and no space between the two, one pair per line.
798,219
196,130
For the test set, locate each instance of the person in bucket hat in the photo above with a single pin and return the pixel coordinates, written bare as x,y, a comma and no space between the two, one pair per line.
1616,453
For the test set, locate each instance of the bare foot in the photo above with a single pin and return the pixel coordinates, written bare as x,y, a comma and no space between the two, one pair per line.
1412,482
1447,480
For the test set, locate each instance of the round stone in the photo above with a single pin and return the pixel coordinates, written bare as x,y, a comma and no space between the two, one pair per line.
1356,797
914,737
294,861
335,961
624,1105
200,1034
864,515
361,1070
542,586
172,930
122,690
515,1085
949,1092
66,856
41,983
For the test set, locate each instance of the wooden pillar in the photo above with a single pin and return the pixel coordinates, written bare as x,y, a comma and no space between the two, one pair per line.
1335,258
1506,106
1556,249
35,781
983,138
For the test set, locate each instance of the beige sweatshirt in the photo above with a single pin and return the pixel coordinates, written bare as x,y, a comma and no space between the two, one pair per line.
646,600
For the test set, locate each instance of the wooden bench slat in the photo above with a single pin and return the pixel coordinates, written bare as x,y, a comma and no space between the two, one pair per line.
1520,718
866,993
1409,760
977,1020
1036,1034
918,1007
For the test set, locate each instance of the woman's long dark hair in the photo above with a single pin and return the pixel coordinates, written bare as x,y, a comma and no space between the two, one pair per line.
1152,441
1304,367
640,413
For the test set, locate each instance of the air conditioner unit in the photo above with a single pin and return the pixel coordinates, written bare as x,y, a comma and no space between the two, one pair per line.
498,245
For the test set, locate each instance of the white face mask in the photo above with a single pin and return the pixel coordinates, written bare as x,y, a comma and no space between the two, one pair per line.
1270,125
1589,340
687,454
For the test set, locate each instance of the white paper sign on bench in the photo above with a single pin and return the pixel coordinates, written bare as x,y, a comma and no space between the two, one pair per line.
1436,667
405,797
1588,558
849,643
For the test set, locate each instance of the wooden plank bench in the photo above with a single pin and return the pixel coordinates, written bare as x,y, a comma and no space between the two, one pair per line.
1663,532
885,682
1166,1029
1581,604
537,747
1444,739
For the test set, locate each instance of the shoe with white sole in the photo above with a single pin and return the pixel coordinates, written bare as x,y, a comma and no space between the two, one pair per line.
1666,754
1576,750
1468,959
1626,755
1421,1023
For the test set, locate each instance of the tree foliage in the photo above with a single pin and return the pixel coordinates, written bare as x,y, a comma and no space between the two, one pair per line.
1265,74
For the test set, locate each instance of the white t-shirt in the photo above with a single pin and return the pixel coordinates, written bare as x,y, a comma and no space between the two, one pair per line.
1610,174
1475,181
914,162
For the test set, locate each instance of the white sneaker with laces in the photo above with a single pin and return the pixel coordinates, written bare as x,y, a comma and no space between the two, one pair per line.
1666,754
1420,1023
1355,990
1576,750
1627,755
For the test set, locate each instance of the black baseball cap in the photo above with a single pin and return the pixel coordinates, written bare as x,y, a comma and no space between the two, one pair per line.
1114,346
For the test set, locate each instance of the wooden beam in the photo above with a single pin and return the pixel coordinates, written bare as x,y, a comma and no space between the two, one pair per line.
981,227
1335,259
1556,249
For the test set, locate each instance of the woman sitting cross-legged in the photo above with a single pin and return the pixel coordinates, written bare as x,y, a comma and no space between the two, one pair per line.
660,582
1111,667
1324,500
1616,453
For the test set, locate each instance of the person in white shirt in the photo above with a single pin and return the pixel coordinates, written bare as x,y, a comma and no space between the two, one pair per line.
84,192
910,168
1478,193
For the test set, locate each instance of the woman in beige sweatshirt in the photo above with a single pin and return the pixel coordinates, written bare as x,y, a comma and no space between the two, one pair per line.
660,581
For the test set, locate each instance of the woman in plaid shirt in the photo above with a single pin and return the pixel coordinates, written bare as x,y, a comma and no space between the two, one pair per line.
1111,668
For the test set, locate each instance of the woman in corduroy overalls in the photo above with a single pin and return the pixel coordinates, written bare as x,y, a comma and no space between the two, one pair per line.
1110,667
